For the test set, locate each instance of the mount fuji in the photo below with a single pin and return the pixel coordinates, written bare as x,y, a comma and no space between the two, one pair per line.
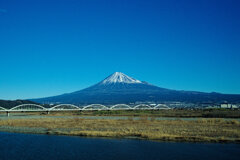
120,88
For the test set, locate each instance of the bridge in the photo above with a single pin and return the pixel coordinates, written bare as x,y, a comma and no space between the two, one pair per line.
71,107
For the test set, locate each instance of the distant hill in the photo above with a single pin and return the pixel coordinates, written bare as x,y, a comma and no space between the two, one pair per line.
9,104
120,88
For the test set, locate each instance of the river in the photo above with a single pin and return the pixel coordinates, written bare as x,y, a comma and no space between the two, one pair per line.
29,116
49,147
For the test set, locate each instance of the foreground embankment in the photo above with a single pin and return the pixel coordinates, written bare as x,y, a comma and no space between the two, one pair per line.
201,130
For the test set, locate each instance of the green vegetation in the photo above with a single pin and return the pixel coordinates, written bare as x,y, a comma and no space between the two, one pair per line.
9,104
201,130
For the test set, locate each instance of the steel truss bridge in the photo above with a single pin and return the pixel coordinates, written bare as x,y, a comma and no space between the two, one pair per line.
71,107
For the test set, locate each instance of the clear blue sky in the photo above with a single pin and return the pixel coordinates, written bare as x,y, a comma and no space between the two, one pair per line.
52,47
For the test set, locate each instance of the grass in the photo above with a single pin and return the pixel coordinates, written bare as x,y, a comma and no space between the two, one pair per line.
181,113
206,113
201,130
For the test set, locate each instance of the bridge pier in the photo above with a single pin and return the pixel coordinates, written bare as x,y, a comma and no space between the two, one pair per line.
7,114
48,112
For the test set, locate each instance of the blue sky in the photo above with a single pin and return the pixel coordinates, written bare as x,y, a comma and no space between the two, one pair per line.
52,47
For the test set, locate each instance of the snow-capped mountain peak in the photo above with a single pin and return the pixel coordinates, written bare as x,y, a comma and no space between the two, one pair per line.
119,77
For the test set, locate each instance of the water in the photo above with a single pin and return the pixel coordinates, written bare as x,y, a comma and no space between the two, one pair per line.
44,147
29,116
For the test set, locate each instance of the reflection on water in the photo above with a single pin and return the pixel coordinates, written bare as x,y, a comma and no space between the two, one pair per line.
45,147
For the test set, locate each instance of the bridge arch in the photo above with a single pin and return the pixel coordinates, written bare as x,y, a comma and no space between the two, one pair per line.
95,107
1,108
64,107
28,107
142,106
121,106
162,106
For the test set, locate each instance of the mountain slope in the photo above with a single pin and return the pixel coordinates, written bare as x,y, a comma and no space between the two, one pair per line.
120,88
9,104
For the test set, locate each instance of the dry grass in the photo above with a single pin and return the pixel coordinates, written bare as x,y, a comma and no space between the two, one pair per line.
205,113
207,130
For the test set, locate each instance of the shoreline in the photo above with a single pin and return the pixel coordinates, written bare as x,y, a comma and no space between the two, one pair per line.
175,113
204,130
107,117
164,139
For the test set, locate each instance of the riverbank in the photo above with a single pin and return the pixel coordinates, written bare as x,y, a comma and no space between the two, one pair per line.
201,130
176,113
172,113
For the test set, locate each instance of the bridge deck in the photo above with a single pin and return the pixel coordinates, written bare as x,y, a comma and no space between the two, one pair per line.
70,107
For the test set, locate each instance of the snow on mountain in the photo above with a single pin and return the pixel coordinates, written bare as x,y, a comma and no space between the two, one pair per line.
119,77
120,88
